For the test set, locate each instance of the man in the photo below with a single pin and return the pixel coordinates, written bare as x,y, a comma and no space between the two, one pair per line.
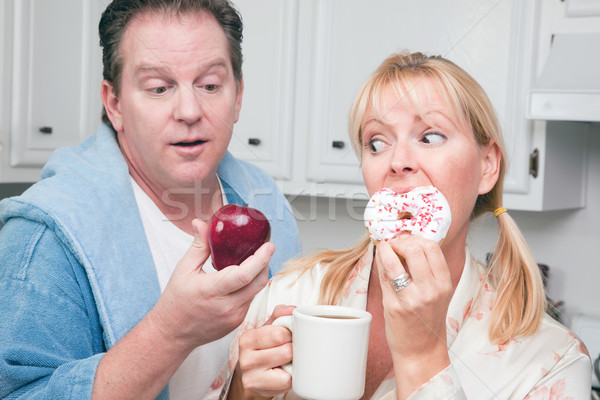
97,297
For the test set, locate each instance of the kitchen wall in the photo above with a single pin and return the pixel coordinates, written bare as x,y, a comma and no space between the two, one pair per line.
567,241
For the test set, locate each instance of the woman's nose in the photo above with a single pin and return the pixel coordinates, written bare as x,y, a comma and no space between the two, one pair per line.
403,161
188,107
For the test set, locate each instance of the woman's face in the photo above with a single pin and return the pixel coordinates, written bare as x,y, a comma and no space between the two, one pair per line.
404,147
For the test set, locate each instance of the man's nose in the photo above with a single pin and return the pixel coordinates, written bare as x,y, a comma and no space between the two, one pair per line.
189,106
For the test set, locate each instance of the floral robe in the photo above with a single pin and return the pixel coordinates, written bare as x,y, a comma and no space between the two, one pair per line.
552,364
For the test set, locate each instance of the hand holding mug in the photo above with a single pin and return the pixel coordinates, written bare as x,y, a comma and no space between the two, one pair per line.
262,351
330,346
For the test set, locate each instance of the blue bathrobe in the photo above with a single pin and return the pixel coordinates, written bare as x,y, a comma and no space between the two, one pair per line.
76,272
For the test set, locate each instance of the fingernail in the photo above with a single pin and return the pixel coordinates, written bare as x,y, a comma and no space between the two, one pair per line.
401,236
271,247
267,248
195,226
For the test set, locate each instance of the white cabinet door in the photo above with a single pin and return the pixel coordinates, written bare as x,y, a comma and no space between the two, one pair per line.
54,76
263,133
351,38
561,146
5,28
497,42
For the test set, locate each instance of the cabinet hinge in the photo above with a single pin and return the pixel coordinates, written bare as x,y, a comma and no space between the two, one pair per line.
534,162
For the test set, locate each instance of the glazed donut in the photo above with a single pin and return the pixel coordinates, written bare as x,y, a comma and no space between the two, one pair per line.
423,211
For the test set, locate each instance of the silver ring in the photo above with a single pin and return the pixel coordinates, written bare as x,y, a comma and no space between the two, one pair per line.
400,282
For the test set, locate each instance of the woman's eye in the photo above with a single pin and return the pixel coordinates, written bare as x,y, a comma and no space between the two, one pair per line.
375,146
433,138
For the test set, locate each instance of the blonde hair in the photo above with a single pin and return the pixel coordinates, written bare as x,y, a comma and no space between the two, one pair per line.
520,303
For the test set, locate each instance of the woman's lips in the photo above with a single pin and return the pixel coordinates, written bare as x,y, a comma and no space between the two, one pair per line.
402,189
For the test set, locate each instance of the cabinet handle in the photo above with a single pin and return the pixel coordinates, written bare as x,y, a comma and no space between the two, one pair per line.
46,130
534,163
338,144
254,141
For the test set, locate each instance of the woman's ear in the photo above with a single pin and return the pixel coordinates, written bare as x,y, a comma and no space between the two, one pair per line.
111,105
490,167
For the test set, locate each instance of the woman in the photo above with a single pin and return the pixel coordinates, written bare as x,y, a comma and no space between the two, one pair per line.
459,329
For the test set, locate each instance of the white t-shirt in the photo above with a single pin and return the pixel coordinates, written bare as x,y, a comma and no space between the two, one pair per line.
168,244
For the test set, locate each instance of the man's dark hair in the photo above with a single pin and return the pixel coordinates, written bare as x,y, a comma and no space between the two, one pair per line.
119,13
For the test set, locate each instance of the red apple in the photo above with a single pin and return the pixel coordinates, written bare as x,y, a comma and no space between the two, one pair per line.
235,233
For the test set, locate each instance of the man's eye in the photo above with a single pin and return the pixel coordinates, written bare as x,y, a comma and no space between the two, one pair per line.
375,146
433,138
211,87
159,90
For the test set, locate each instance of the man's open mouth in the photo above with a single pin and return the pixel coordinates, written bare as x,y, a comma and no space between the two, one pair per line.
189,144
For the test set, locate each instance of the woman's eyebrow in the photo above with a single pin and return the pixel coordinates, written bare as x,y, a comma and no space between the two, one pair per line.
377,121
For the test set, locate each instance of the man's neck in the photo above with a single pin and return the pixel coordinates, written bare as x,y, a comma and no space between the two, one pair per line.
182,205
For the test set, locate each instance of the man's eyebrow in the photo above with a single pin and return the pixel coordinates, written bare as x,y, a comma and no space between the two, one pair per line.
164,69
144,68
217,63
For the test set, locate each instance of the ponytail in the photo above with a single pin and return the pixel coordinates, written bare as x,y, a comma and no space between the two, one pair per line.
521,302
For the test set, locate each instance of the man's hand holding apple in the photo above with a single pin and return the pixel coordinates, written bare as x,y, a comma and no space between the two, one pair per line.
198,308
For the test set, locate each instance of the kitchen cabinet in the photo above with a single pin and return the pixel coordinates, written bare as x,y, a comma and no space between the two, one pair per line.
338,43
562,145
264,133
50,74
304,63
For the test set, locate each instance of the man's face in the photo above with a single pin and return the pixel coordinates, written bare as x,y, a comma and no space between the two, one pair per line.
178,101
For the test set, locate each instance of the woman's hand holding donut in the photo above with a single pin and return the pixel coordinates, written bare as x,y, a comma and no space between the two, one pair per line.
262,351
415,317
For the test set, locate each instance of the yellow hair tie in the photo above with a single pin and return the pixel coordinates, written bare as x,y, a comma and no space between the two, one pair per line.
499,211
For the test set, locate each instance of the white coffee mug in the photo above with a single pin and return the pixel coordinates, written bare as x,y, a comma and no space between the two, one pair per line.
330,345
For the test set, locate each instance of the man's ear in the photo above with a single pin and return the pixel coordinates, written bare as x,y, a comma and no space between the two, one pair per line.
238,100
111,105
490,167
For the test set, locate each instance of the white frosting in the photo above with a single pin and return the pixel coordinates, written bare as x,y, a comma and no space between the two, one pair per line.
386,214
